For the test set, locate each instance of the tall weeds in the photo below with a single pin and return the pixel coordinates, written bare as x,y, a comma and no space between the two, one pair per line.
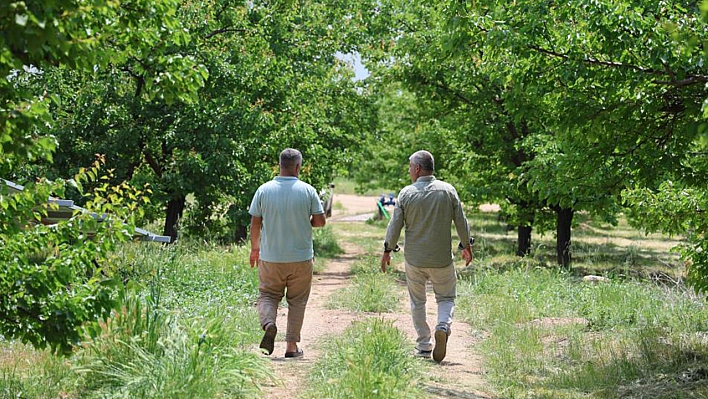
325,243
146,352
185,328
371,360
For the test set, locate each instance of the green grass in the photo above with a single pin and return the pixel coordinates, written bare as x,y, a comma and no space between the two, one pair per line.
325,242
369,291
146,352
194,277
338,206
326,246
597,248
29,373
188,326
551,335
546,334
371,360
184,328
363,235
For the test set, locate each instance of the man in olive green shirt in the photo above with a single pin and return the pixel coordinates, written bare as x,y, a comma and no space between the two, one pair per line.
427,208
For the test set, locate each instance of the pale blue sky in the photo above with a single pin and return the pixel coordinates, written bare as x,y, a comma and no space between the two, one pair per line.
354,60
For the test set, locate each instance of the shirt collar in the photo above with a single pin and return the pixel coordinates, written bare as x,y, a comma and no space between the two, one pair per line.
425,178
285,178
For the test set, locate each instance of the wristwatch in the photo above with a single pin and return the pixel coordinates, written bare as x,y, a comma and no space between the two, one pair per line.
461,247
387,249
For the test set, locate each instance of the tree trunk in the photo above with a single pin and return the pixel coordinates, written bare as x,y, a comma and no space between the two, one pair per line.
175,208
240,233
523,238
564,218
525,218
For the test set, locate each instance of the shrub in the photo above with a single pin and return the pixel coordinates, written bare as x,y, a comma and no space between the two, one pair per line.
325,243
57,281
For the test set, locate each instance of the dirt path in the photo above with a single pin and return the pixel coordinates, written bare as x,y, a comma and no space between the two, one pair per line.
460,375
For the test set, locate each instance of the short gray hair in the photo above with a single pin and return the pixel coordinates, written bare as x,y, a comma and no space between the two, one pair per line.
289,158
424,159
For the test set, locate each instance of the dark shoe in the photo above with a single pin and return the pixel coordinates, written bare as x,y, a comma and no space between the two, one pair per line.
298,353
268,341
440,350
423,354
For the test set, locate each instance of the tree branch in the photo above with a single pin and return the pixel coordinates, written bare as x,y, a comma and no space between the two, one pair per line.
224,30
684,82
153,164
595,61
690,80
455,94
139,79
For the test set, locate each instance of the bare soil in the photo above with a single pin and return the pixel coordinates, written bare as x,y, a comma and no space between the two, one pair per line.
460,375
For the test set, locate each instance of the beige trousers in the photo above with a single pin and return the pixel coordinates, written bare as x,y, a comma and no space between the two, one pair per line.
290,279
444,281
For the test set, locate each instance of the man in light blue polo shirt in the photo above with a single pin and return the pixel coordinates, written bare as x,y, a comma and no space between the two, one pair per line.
283,213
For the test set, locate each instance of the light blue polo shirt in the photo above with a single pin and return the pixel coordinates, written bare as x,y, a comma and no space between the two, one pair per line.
285,204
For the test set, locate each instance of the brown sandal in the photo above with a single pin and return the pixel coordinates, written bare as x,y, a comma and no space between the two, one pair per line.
298,353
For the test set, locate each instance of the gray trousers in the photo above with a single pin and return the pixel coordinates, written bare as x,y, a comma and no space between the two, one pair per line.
444,280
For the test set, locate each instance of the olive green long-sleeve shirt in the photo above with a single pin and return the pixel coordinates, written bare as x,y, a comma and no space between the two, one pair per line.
427,208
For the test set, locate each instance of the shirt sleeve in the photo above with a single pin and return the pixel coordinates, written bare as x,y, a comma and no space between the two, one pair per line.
316,205
255,209
393,232
461,225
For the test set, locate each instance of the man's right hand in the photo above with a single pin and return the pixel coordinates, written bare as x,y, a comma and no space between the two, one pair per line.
467,255
255,255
